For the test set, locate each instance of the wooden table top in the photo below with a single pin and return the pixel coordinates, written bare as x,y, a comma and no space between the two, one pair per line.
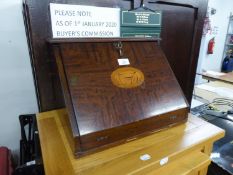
208,96
170,143
227,78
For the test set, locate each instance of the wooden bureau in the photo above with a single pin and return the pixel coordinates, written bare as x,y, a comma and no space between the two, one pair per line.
109,102
185,148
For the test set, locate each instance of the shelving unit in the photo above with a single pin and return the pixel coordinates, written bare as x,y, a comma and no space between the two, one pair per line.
229,37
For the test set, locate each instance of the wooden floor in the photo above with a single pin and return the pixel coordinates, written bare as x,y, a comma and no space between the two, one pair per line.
180,150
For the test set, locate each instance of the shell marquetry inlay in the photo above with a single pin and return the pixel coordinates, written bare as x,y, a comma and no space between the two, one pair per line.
127,77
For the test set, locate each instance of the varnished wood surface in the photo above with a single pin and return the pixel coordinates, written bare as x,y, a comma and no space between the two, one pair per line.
190,164
106,112
182,26
176,143
79,40
227,78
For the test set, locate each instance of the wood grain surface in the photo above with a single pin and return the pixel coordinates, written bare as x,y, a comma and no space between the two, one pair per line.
102,113
227,78
191,164
184,145
182,25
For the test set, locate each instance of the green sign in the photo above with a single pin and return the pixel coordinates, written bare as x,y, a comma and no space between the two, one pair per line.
140,23
141,18
141,32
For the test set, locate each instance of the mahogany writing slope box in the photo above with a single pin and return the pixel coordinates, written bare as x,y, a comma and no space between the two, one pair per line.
116,90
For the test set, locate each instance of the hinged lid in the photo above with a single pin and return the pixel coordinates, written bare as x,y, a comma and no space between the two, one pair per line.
109,89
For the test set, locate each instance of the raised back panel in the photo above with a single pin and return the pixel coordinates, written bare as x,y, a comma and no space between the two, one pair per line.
181,35
177,35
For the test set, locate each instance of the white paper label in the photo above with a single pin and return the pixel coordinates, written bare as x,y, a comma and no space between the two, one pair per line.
123,62
33,162
164,161
145,157
77,21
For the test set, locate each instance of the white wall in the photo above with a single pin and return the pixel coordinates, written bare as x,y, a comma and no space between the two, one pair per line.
219,20
17,92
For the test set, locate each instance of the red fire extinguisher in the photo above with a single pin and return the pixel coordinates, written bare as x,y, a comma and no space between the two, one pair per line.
211,46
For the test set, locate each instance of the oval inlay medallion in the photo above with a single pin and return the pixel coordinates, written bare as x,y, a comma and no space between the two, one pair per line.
127,77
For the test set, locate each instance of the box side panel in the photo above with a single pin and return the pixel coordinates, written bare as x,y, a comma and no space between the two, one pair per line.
71,117
108,138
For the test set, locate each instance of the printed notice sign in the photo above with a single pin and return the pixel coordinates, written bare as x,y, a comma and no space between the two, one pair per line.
77,21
